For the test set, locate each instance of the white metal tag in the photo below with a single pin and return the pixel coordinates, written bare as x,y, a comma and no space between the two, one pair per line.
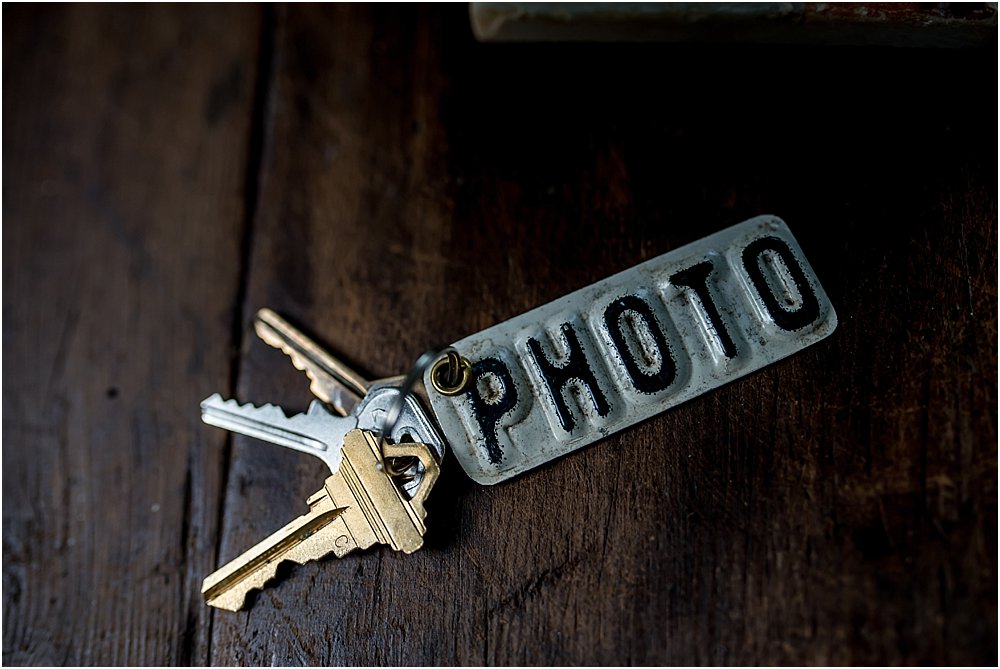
619,351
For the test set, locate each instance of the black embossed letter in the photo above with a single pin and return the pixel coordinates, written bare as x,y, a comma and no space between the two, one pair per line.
643,381
787,319
490,409
576,368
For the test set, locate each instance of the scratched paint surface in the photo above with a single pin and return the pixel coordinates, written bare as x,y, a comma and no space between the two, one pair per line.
624,349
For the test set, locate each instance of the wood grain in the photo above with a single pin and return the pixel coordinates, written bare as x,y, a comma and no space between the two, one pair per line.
126,134
837,508
411,186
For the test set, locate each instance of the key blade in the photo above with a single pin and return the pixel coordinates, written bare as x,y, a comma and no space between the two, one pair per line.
316,432
331,380
314,535
358,507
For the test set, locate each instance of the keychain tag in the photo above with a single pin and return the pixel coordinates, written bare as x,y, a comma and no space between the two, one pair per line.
630,346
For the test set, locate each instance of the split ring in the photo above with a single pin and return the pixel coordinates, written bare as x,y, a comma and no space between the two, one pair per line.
459,373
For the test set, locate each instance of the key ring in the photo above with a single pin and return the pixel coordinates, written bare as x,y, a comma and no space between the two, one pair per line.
458,374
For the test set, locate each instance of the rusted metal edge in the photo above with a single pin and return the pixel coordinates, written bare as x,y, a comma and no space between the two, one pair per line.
952,25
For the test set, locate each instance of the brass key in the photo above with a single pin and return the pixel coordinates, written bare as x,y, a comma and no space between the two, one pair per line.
359,506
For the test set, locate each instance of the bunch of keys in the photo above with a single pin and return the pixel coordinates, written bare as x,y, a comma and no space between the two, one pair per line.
525,391
366,500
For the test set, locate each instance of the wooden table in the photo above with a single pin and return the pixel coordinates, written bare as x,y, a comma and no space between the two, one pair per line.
377,175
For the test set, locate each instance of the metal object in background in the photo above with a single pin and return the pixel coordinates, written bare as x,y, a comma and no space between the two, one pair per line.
903,24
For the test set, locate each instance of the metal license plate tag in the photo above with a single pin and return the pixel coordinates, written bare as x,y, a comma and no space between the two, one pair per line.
621,350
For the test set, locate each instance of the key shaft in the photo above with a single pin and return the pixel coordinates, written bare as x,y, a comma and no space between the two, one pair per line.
320,532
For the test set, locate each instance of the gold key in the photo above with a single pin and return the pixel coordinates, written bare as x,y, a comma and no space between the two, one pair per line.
358,507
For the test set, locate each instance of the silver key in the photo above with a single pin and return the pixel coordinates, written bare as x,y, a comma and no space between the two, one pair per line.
316,432
320,432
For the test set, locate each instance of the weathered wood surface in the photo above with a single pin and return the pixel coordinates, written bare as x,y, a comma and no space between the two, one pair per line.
125,148
405,186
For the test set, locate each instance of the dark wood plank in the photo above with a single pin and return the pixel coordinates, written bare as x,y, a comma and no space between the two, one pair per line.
839,507
126,140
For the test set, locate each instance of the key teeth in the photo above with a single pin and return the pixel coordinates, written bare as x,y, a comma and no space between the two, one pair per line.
230,586
298,361
216,401
267,332
315,383
270,574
